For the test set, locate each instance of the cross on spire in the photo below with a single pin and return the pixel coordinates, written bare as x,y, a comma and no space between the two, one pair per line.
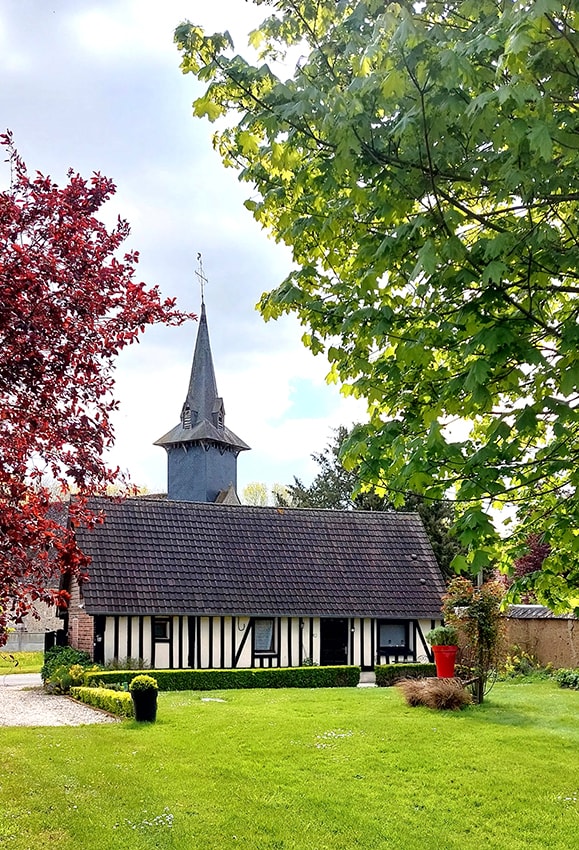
201,275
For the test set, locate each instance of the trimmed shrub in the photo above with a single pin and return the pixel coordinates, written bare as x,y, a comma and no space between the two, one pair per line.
63,656
220,680
143,683
441,694
115,702
568,678
389,674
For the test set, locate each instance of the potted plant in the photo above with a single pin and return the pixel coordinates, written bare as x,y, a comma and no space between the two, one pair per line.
143,690
444,643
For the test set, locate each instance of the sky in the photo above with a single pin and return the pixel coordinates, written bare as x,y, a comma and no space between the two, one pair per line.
95,85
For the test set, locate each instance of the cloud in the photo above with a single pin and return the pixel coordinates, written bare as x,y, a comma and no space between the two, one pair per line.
259,392
144,28
96,85
13,60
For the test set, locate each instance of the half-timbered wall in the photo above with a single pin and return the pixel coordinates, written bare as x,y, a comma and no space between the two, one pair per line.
230,642
415,646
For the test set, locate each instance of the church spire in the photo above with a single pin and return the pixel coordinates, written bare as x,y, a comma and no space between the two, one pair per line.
202,402
201,451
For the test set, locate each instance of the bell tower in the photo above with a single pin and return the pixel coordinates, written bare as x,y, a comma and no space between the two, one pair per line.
201,452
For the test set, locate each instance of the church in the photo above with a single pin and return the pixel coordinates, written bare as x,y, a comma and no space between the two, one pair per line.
195,579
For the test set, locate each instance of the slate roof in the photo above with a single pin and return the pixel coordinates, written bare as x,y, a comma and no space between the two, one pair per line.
203,431
167,557
535,612
203,401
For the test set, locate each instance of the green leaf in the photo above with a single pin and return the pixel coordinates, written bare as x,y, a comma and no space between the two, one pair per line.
569,382
460,564
204,106
477,374
494,272
540,141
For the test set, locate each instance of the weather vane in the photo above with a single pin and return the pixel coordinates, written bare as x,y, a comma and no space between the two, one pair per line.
201,275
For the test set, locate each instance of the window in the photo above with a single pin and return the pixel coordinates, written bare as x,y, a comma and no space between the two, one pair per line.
186,416
161,628
263,635
393,635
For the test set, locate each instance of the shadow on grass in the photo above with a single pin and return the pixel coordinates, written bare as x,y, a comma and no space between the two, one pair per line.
524,703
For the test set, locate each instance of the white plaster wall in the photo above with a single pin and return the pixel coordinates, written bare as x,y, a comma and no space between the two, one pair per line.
146,639
109,639
315,653
227,632
205,625
135,638
295,640
367,634
245,658
161,654
422,648
176,637
123,636
216,629
282,649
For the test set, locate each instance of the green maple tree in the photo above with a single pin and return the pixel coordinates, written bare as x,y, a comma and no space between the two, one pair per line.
337,488
421,161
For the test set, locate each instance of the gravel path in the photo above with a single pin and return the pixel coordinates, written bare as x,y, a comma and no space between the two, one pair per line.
24,703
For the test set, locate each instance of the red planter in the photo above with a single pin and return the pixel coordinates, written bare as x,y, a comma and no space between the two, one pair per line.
444,657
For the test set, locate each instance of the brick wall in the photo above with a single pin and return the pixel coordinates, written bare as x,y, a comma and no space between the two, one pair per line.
80,624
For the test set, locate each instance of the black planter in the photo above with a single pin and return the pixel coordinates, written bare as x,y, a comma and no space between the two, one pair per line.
145,705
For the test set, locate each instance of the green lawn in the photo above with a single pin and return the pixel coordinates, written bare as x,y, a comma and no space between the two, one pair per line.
302,769
20,662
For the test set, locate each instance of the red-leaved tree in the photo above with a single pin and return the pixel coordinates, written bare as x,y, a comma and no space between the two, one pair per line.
529,563
68,305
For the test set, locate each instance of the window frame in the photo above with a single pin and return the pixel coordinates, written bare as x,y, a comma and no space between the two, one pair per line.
398,648
272,647
161,621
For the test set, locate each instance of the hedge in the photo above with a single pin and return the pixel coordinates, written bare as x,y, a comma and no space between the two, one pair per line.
220,680
389,674
115,702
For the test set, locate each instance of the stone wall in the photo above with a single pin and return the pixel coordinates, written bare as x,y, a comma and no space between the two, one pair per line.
28,636
551,640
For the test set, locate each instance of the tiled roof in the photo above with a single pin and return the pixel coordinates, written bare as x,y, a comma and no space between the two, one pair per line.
168,557
535,612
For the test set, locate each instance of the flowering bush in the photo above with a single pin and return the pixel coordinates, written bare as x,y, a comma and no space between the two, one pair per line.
476,613
519,662
460,592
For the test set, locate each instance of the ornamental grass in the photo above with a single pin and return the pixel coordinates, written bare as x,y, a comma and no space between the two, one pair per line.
441,694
